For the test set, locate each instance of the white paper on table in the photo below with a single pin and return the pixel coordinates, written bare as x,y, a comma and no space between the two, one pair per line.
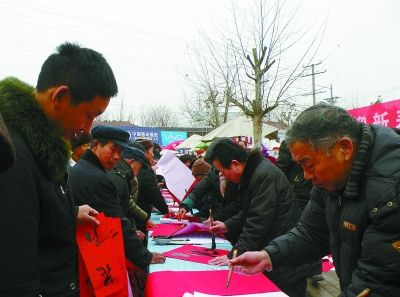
198,238
173,221
270,294
177,175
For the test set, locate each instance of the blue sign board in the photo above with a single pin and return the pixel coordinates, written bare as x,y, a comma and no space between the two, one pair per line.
152,134
171,136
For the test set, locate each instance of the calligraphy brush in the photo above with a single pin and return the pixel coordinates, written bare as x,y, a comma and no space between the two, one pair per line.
231,266
213,245
364,293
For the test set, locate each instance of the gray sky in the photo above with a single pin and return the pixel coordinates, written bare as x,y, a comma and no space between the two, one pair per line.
147,42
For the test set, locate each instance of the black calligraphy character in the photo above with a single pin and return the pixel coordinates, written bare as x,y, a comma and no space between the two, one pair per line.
113,233
106,274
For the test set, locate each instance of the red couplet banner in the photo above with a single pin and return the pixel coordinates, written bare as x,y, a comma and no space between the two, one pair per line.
102,266
385,114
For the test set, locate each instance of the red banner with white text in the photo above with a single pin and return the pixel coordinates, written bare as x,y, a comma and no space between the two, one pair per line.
385,114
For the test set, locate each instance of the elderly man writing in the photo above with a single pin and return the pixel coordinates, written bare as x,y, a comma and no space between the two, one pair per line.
354,208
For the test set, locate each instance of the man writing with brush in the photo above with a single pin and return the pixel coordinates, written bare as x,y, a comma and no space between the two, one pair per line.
354,207
269,207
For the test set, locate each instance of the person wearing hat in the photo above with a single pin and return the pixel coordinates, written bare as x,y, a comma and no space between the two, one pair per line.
90,183
149,149
149,194
206,194
124,174
200,169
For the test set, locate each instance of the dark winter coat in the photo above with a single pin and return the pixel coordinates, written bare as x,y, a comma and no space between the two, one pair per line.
269,210
231,204
205,195
7,152
123,170
360,225
90,184
295,175
37,217
149,194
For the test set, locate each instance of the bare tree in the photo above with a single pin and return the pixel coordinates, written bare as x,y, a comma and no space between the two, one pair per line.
286,113
210,103
263,53
157,116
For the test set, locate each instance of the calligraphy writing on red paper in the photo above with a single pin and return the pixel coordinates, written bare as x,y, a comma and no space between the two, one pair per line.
93,237
105,273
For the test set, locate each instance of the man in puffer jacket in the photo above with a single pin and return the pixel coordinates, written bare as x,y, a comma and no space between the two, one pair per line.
354,211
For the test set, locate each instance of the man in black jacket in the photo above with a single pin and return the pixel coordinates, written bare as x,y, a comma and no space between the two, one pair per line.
90,184
37,216
206,193
149,194
268,210
354,211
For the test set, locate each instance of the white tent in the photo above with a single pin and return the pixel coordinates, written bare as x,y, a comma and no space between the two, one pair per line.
190,142
239,126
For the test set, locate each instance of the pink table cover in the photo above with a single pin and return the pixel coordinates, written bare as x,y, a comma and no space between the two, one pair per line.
176,283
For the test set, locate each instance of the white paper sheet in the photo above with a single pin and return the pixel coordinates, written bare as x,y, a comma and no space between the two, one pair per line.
178,176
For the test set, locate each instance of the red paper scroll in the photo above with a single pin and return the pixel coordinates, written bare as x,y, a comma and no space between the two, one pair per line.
176,283
102,268
165,229
194,253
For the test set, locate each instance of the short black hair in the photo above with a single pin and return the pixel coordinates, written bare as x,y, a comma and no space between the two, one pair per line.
85,71
185,158
322,125
80,139
157,151
225,150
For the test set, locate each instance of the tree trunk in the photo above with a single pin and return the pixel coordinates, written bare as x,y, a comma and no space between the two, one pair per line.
257,131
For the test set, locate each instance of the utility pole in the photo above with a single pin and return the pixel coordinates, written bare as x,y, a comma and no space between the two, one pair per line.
332,100
313,74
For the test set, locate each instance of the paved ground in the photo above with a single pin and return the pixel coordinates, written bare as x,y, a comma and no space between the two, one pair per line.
327,288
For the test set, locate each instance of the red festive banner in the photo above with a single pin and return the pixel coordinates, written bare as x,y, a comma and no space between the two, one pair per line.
102,266
385,114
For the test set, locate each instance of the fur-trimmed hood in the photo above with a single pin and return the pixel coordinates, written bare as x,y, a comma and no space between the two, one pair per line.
22,114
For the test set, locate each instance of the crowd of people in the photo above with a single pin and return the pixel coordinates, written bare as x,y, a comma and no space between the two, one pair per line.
333,190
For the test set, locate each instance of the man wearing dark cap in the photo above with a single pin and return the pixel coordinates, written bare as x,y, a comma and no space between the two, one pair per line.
123,176
135,159
90,183
149,149
269,208
149,194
